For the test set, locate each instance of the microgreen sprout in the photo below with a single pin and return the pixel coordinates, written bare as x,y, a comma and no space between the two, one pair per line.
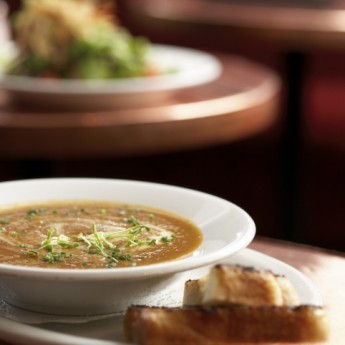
108,245
56,257
34,213
98,243
33,252
50,243
165,239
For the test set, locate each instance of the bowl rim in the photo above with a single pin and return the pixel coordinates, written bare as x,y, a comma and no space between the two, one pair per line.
139,272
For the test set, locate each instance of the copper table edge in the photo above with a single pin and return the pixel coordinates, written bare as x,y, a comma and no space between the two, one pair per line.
321,25
243,101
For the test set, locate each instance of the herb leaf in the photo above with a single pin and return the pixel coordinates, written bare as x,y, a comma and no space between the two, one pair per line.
34,212
55,257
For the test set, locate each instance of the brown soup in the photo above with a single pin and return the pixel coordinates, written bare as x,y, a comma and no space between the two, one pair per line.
93,235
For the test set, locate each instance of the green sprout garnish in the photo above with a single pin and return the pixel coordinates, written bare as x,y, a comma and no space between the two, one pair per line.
63,241
52,242
33,252
106,244
165,239
56,257
34,213
98,243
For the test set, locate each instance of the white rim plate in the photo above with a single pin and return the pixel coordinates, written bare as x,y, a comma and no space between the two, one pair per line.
193,68
107,331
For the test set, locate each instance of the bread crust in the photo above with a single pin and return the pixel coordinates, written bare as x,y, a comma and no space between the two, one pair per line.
232,304
222,325
238,284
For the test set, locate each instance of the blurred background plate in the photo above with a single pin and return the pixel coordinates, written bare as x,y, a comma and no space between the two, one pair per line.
183,67
4,27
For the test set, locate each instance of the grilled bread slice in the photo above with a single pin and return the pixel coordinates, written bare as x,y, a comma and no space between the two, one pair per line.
232,304
227,324
242,285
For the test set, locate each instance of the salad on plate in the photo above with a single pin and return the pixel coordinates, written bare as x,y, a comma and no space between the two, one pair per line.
75,39
75,54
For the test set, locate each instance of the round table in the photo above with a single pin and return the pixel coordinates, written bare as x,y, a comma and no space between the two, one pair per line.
299,24
296,27
241,102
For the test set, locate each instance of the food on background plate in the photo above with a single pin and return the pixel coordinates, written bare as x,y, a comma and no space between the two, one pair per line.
86,234
74,39
268,310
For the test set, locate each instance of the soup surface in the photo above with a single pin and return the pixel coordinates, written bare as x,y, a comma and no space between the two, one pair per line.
84,234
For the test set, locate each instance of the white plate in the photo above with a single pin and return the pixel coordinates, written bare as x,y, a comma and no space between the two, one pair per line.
108,331
192,68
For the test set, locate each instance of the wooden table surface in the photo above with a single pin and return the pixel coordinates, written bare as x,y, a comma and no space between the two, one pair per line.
326,271
296,23
241,102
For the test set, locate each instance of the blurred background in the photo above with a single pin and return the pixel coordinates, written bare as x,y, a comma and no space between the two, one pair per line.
247,172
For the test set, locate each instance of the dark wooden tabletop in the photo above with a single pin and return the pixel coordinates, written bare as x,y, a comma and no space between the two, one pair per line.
301,24
241,102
